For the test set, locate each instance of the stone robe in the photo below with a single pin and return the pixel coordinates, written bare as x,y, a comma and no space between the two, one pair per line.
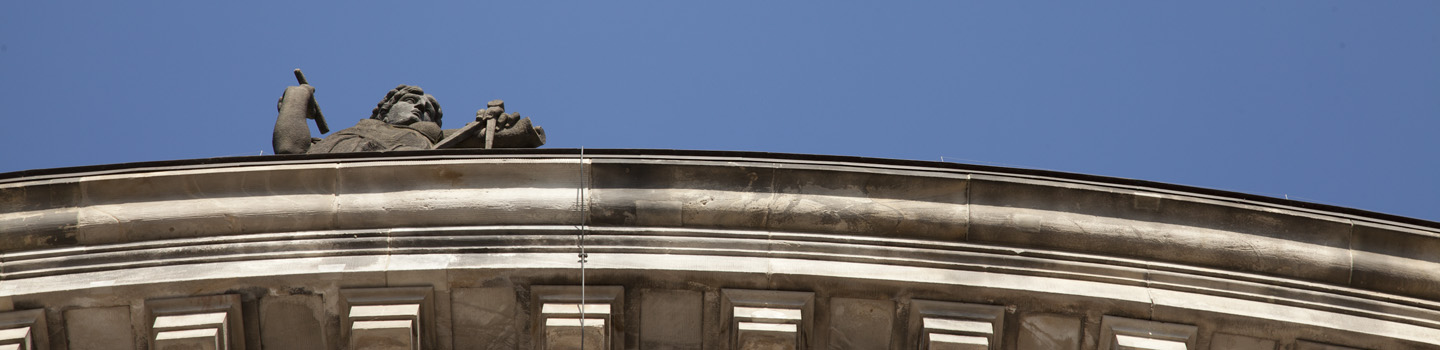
370,135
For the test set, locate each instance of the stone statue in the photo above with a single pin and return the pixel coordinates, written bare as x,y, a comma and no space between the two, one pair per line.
406,119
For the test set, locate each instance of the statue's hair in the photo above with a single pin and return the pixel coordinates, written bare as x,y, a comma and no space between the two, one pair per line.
394,96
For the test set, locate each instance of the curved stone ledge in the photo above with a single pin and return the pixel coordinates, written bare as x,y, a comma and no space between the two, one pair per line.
679,242
776,271
755,194
1121,242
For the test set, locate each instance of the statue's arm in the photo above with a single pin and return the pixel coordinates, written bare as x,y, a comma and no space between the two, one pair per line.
292,135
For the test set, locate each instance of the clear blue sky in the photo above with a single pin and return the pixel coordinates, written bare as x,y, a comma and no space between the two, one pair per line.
1336,102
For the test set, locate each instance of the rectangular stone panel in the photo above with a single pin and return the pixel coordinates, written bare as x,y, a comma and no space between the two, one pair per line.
484,318
1240,342
105,328
1308,345
1048,332
292,322
671,319
861,323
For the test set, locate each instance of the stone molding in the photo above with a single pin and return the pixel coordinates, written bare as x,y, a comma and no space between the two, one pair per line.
767,319
557,326
384,318
966,325
912,223
1119,333
201,322
24,329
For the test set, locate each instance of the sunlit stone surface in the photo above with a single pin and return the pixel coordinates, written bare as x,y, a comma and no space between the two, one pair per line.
693,250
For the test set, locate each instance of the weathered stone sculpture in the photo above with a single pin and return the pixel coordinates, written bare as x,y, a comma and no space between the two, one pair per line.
406,119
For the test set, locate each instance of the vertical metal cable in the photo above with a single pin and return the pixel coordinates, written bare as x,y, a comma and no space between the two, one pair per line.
580,242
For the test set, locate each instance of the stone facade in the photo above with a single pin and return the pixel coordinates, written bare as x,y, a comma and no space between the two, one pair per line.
688,250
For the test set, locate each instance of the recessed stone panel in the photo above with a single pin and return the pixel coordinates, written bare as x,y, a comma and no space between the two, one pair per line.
104,328
1048,332
1240,342
860,323
1309,345
671,319
484,318
292,322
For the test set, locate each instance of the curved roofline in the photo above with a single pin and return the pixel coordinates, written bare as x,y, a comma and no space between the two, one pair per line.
753,220
35,174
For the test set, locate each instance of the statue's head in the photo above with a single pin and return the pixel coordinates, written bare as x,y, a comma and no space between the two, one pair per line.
405,105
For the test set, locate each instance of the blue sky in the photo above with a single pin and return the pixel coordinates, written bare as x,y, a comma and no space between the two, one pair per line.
1335,102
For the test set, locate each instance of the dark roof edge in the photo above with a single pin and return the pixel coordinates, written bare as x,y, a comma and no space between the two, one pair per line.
221,161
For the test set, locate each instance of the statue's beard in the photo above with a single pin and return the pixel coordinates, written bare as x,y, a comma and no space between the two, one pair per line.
429,129
402,119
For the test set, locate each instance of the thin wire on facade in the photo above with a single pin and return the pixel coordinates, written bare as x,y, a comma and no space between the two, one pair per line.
580,241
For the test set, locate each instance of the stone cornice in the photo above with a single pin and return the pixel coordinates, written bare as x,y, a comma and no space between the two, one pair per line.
61,225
